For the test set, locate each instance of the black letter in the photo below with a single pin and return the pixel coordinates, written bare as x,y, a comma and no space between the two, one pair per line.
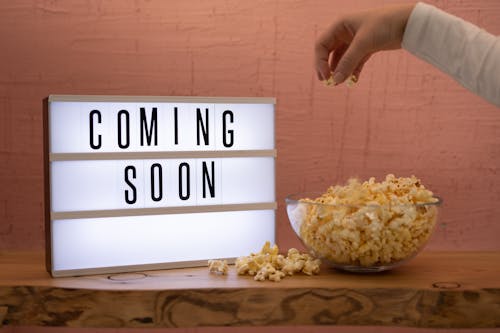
134,190
230,132
206,179
127,129
152,127
176,128
91,116
160,182
200,124
186,166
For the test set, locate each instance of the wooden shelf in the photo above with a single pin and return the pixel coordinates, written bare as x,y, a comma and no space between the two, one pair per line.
436,289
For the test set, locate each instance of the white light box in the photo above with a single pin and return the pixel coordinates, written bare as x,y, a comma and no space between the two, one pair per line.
137,183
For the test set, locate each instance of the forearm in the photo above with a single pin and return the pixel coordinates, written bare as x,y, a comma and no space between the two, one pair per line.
467,53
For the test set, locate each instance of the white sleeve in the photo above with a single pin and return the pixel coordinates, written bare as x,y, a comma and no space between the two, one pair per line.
464,51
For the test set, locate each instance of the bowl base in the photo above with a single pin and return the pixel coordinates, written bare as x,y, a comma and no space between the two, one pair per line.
359,269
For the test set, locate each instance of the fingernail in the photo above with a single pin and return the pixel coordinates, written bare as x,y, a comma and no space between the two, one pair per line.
338,78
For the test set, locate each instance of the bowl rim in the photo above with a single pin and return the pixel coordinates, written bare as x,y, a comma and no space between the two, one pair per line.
296,198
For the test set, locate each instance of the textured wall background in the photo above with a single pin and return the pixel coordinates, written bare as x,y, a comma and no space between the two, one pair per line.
403,117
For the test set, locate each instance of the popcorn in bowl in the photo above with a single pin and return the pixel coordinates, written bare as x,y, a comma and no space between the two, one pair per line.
365,226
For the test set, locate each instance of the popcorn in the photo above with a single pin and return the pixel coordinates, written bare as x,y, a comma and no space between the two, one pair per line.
329,82
351,80
369,223
269,272
269,264
218,266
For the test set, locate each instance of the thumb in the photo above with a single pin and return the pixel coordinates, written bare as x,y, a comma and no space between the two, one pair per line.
350,60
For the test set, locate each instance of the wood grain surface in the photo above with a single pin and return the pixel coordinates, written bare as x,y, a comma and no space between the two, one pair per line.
436,289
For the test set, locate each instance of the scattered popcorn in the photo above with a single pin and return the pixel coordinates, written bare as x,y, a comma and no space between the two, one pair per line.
311,267
269,272
368,223
269,264
218,266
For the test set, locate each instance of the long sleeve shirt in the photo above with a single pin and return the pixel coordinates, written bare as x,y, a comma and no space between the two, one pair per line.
467,53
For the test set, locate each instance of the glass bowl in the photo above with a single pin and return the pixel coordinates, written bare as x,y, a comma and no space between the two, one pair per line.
361,238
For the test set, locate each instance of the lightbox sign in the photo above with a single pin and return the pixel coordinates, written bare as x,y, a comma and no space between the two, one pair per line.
137,183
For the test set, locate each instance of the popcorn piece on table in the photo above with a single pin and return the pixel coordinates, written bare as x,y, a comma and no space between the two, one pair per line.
311,267
269,272
218,266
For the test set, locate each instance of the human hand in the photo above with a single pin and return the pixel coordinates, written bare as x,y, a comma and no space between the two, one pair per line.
343,49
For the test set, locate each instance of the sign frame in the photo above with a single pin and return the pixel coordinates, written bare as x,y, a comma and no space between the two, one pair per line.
49,157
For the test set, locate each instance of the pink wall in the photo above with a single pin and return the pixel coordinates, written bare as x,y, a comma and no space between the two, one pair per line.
403,117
